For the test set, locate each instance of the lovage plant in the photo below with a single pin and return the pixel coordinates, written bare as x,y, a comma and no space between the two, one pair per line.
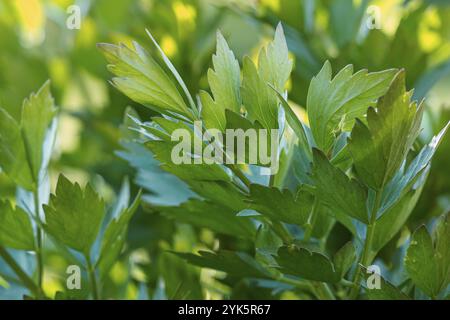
349,175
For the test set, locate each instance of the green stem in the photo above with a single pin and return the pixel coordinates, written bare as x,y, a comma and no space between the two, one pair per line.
279,228
312,221
367,255
92,278
324,292
272,180
240,175
302,285
39,259
24,278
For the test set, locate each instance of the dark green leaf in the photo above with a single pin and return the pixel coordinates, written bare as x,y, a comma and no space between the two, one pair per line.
336,190
73,216
15,228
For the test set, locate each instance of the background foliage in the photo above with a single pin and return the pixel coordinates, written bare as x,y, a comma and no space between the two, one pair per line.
94,145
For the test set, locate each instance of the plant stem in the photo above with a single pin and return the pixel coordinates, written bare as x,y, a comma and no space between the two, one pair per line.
272,180
312,221
279,228
240,175
24,278
39,260
92,277
304,285
323,290
367,255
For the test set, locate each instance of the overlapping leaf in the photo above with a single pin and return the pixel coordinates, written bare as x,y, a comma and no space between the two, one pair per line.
281,205
225,83
38,112
338,191
141,78
274,68
312,265
380,149
333,104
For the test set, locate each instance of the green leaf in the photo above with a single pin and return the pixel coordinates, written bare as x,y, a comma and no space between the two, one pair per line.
427,260
213,216
333,104
401,184
162,151
212,113
225,82
238,264
38,112
346,18
141,78
387,291
16,231
73,216
295,123
344,258
379,150
274,68
174,71
336,190
260,104
13,157
306,264
181,280
281,205
115,236
267,244
274,65
391,222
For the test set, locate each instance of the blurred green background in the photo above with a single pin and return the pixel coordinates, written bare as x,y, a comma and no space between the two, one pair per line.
36,45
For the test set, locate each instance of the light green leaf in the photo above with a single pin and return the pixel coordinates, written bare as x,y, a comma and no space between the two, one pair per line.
141,78
13,157
274,65
73,216
212,113
338,191
260,104
16,231
225,82
172,69
274,68
333,104
38,112
295,123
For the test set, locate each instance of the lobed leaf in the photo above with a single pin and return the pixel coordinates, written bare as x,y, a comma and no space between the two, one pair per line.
16,231
336,190
333,104
73,216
